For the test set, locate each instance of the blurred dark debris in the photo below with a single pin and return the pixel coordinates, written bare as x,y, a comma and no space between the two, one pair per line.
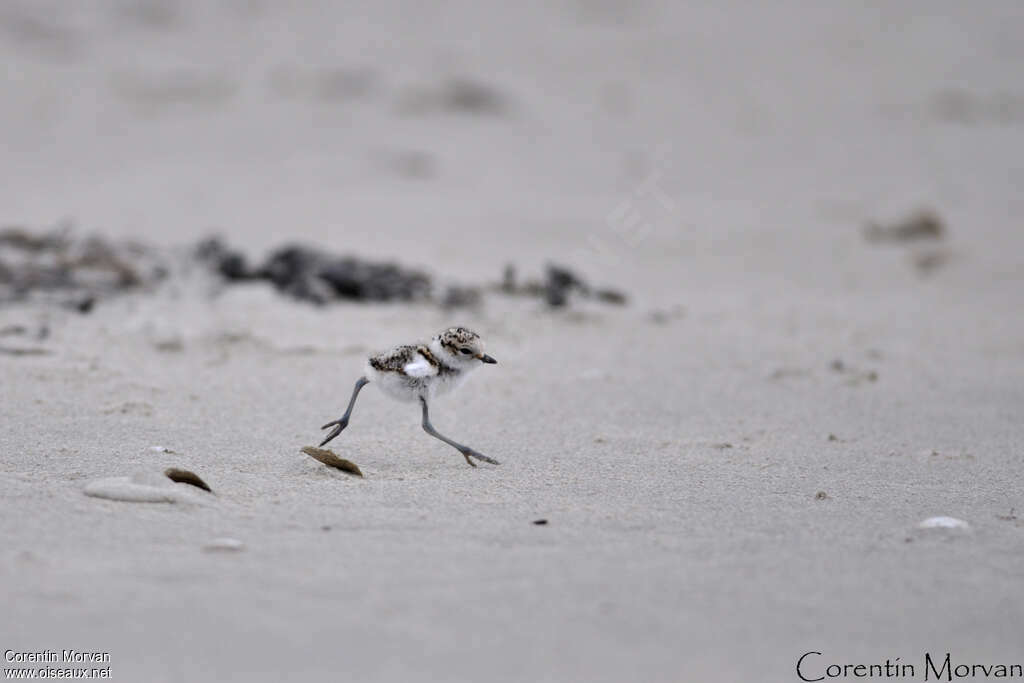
558,286
23,333
39,32
38,332
73,271
920,228
457,296
23,351
155,15
304,272
667,316
854,376
319,277
455,96
328,84
559,283
954,105
227,262
176,87
927,261
922,225
412,164
78,272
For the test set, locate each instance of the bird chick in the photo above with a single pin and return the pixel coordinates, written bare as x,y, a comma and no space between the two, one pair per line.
420,372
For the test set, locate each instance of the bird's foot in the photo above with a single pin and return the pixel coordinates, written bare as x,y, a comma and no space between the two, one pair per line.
338,425
470,453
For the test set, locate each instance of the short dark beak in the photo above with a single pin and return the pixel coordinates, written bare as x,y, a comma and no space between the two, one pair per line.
487,359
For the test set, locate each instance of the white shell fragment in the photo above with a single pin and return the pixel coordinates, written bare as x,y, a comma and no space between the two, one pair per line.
943,523
144,487
217,545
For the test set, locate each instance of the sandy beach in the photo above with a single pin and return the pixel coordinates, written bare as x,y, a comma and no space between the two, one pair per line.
733,467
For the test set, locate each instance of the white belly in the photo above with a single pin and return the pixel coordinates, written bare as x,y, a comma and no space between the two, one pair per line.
411,389
398,387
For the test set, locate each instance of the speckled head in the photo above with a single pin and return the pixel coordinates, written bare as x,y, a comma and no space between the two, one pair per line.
460,346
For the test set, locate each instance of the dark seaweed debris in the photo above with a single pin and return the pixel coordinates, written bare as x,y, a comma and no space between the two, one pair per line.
74,271
319,277
922,225
78,272
559,285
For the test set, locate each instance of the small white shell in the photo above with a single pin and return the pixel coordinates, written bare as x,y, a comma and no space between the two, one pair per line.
144,487
224,545
943,523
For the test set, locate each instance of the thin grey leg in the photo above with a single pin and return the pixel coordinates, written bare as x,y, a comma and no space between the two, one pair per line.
466,451
342,421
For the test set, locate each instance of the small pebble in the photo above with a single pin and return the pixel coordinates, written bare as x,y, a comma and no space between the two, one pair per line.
540,522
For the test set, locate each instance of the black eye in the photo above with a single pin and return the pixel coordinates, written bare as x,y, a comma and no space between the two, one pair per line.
466,351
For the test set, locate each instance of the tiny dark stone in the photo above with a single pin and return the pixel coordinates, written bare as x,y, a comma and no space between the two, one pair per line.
540,522
820,495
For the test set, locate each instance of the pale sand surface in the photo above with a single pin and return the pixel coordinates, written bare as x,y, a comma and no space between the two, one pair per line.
669,555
